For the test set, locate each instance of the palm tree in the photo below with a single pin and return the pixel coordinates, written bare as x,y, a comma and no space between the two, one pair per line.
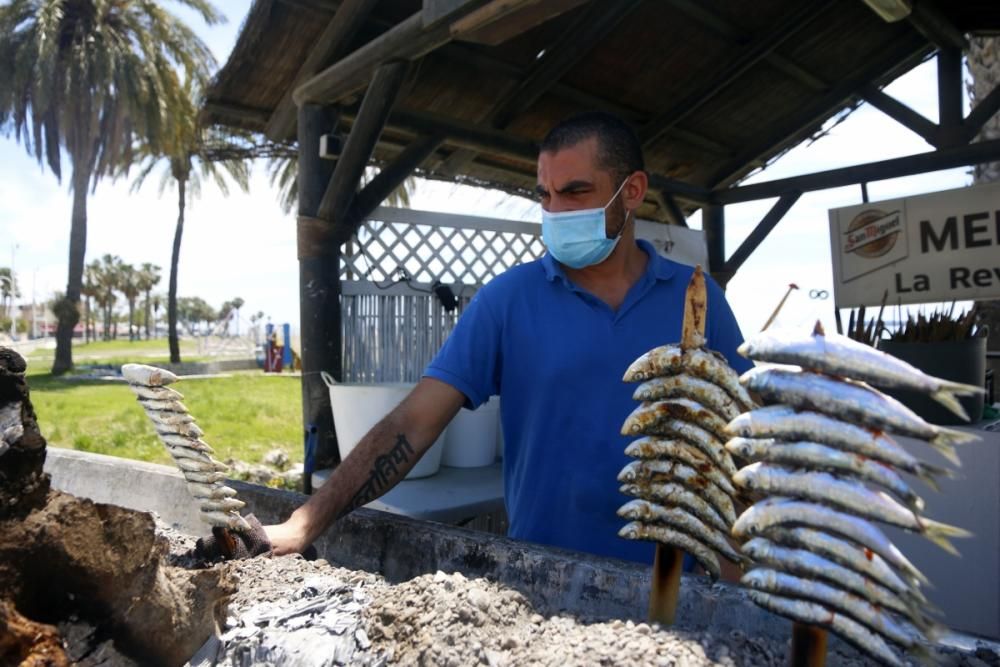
148,277
130,288
89,290
92,77
107,278
189,160
8,290
237,303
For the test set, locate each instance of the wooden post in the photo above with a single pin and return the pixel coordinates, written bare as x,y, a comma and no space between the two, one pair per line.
713,221
808,646
319,282
666,586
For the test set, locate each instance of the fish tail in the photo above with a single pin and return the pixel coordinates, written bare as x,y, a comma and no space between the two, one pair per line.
944,444
946,398
939,533
929,474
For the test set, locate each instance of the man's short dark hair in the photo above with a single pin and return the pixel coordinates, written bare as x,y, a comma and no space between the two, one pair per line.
618,147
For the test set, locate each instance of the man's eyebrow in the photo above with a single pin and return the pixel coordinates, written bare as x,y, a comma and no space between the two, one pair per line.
570,187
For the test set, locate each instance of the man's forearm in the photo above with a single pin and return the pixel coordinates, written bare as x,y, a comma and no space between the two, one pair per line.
379,461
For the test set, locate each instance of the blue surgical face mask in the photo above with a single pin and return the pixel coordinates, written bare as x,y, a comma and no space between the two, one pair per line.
579,238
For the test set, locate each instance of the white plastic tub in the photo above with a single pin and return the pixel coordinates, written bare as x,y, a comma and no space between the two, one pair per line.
358,407
471,440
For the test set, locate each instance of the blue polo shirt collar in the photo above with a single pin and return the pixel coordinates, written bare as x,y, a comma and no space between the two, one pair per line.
657,268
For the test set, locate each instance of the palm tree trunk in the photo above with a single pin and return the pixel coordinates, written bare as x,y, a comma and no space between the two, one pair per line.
68,310
175,348
86,320
131,320
147,314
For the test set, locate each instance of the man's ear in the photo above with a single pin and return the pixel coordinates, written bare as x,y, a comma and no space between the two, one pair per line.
635,190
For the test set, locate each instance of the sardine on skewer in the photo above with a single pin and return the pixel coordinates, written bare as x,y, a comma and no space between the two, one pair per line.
163,406
789,513
705,364
805,564
672,494
816,614
642,473
862,611
850,401
150,376
654,533
846,494
655,447
647,416
785,423
677,518
815,456
852,556
697,478
188,430
156,393
709,445
710,395
839,355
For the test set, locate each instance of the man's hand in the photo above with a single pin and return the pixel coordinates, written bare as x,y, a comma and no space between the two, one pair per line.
290,537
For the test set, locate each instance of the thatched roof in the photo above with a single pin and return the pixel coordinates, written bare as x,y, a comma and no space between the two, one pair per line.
715,88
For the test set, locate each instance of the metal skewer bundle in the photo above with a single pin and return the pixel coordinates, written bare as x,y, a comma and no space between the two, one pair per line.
823,460
681,477
179,433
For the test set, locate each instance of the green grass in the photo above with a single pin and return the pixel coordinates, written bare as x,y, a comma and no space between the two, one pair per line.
244,416
115,352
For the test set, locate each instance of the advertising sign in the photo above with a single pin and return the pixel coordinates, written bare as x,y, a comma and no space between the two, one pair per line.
943,246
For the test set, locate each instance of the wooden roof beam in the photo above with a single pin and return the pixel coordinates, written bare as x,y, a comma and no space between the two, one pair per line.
794,21
903,52
256,117
589,28
719,25
928,20
408,40
360,144
331,45
902,114
759,233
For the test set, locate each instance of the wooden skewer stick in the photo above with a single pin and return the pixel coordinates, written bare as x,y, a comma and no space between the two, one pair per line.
666,587
808,646
669,561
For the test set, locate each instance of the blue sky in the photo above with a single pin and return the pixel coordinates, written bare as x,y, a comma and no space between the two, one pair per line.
244,245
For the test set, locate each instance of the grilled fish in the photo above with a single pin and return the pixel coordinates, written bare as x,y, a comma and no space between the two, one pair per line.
709,445
647,416
696,478
705,364
688,386
229,520
849,495
674,538
785,512
676,517
647,472
156,393
785,423
850,401
140,374
815,456
816,614
676,495
839,355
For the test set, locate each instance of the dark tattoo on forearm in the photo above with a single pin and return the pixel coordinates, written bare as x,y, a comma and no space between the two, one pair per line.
383,473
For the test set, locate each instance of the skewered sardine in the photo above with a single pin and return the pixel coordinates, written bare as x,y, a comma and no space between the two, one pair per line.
229,520
819,457
163,406
806,564
676,495
222,505
674,538
816,614
188,430
850,401
786,512
140,374
189,443
662,470
688,386
839,355
156,393
646,417
849,495
212,491
675,517
709,445
785,423
705,364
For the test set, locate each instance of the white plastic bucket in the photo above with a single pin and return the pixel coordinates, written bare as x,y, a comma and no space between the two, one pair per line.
471,440
358,407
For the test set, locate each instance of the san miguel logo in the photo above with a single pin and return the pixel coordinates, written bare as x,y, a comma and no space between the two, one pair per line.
872,233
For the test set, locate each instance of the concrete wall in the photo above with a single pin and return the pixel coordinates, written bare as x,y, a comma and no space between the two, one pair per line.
400,548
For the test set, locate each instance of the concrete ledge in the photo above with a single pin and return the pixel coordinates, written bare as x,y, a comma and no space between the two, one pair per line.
400,548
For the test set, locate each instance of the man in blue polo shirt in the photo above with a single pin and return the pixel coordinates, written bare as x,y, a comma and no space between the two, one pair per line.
552,337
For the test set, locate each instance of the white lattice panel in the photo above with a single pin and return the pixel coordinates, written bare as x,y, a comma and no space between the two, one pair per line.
429,247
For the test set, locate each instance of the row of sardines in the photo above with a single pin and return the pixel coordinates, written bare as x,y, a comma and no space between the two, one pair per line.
180,434
813,461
